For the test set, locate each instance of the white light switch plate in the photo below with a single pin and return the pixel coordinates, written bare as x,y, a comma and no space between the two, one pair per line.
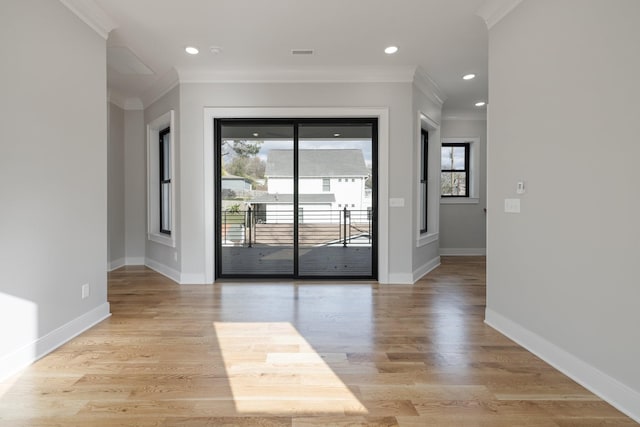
512,205
396,202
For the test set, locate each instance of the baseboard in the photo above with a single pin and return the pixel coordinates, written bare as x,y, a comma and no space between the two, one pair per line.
25,356
400,279
606,387
115,264
134,260
163,269
463,251
425,269
192,279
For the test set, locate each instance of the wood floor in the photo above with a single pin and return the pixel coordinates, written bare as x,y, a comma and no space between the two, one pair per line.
298,354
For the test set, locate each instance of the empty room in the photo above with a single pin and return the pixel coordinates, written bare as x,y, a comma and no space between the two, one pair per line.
319,213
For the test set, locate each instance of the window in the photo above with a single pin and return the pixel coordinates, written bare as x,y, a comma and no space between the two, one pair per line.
165,180
161,227
326,184
454,176
424,177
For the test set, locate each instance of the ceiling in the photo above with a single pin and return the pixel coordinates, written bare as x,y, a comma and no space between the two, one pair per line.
445,38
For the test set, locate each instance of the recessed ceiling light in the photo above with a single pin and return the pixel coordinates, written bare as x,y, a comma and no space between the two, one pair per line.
215,49
391,50
336,135
469,76
480,104
191,50
256,134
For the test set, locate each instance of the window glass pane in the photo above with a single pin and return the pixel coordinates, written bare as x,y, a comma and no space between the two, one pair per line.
423,165
453,183
166,207
256,198
423,206
458,157
446,158
166,157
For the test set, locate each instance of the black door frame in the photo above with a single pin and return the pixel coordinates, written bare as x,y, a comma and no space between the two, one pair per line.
295,123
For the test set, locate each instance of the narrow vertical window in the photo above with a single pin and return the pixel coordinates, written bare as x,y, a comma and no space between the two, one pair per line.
424,177
454,177
165,180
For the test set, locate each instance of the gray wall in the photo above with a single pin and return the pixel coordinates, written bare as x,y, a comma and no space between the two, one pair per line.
115,186
135,207
463,226
562,275
396,96
53,186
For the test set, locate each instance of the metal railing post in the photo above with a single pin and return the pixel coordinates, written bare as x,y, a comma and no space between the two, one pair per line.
344,227
249,219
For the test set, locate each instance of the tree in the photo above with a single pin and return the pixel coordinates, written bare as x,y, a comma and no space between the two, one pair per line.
248,167
240,147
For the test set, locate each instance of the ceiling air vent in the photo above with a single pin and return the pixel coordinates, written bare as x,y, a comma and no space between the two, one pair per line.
302,51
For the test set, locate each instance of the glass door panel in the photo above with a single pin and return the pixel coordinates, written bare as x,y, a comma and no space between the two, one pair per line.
255,204
335,199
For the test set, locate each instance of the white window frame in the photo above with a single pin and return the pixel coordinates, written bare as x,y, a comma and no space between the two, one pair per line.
474,172
153,179
381,113
433,181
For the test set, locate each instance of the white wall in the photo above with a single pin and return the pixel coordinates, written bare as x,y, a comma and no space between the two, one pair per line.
115,187
562,275
135,208
195,97
53,186
166,259
463,226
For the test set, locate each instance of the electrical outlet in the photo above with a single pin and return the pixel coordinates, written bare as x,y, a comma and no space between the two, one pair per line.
85,291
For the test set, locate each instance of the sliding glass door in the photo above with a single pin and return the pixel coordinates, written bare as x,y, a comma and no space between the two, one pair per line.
296,198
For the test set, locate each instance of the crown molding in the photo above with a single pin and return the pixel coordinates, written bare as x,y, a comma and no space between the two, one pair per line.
116,98
479,114
396,74
92,15
121,101
492,11
428,86
160,88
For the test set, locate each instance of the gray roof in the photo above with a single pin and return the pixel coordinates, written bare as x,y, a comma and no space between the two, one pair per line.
317,163
235,177
288,198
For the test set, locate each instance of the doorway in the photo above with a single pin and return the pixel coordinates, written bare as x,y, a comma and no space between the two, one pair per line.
296,198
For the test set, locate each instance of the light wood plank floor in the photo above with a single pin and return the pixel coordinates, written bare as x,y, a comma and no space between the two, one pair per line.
298,354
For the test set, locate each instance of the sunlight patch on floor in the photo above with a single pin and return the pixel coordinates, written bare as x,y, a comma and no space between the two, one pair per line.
272,369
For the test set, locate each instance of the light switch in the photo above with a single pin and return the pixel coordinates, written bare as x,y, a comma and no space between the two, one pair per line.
396,202
512,205
520,187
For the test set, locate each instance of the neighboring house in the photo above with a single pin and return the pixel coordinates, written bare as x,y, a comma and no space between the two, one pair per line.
330,180
238,184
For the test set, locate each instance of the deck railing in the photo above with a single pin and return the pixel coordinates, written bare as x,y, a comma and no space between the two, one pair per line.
342,227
